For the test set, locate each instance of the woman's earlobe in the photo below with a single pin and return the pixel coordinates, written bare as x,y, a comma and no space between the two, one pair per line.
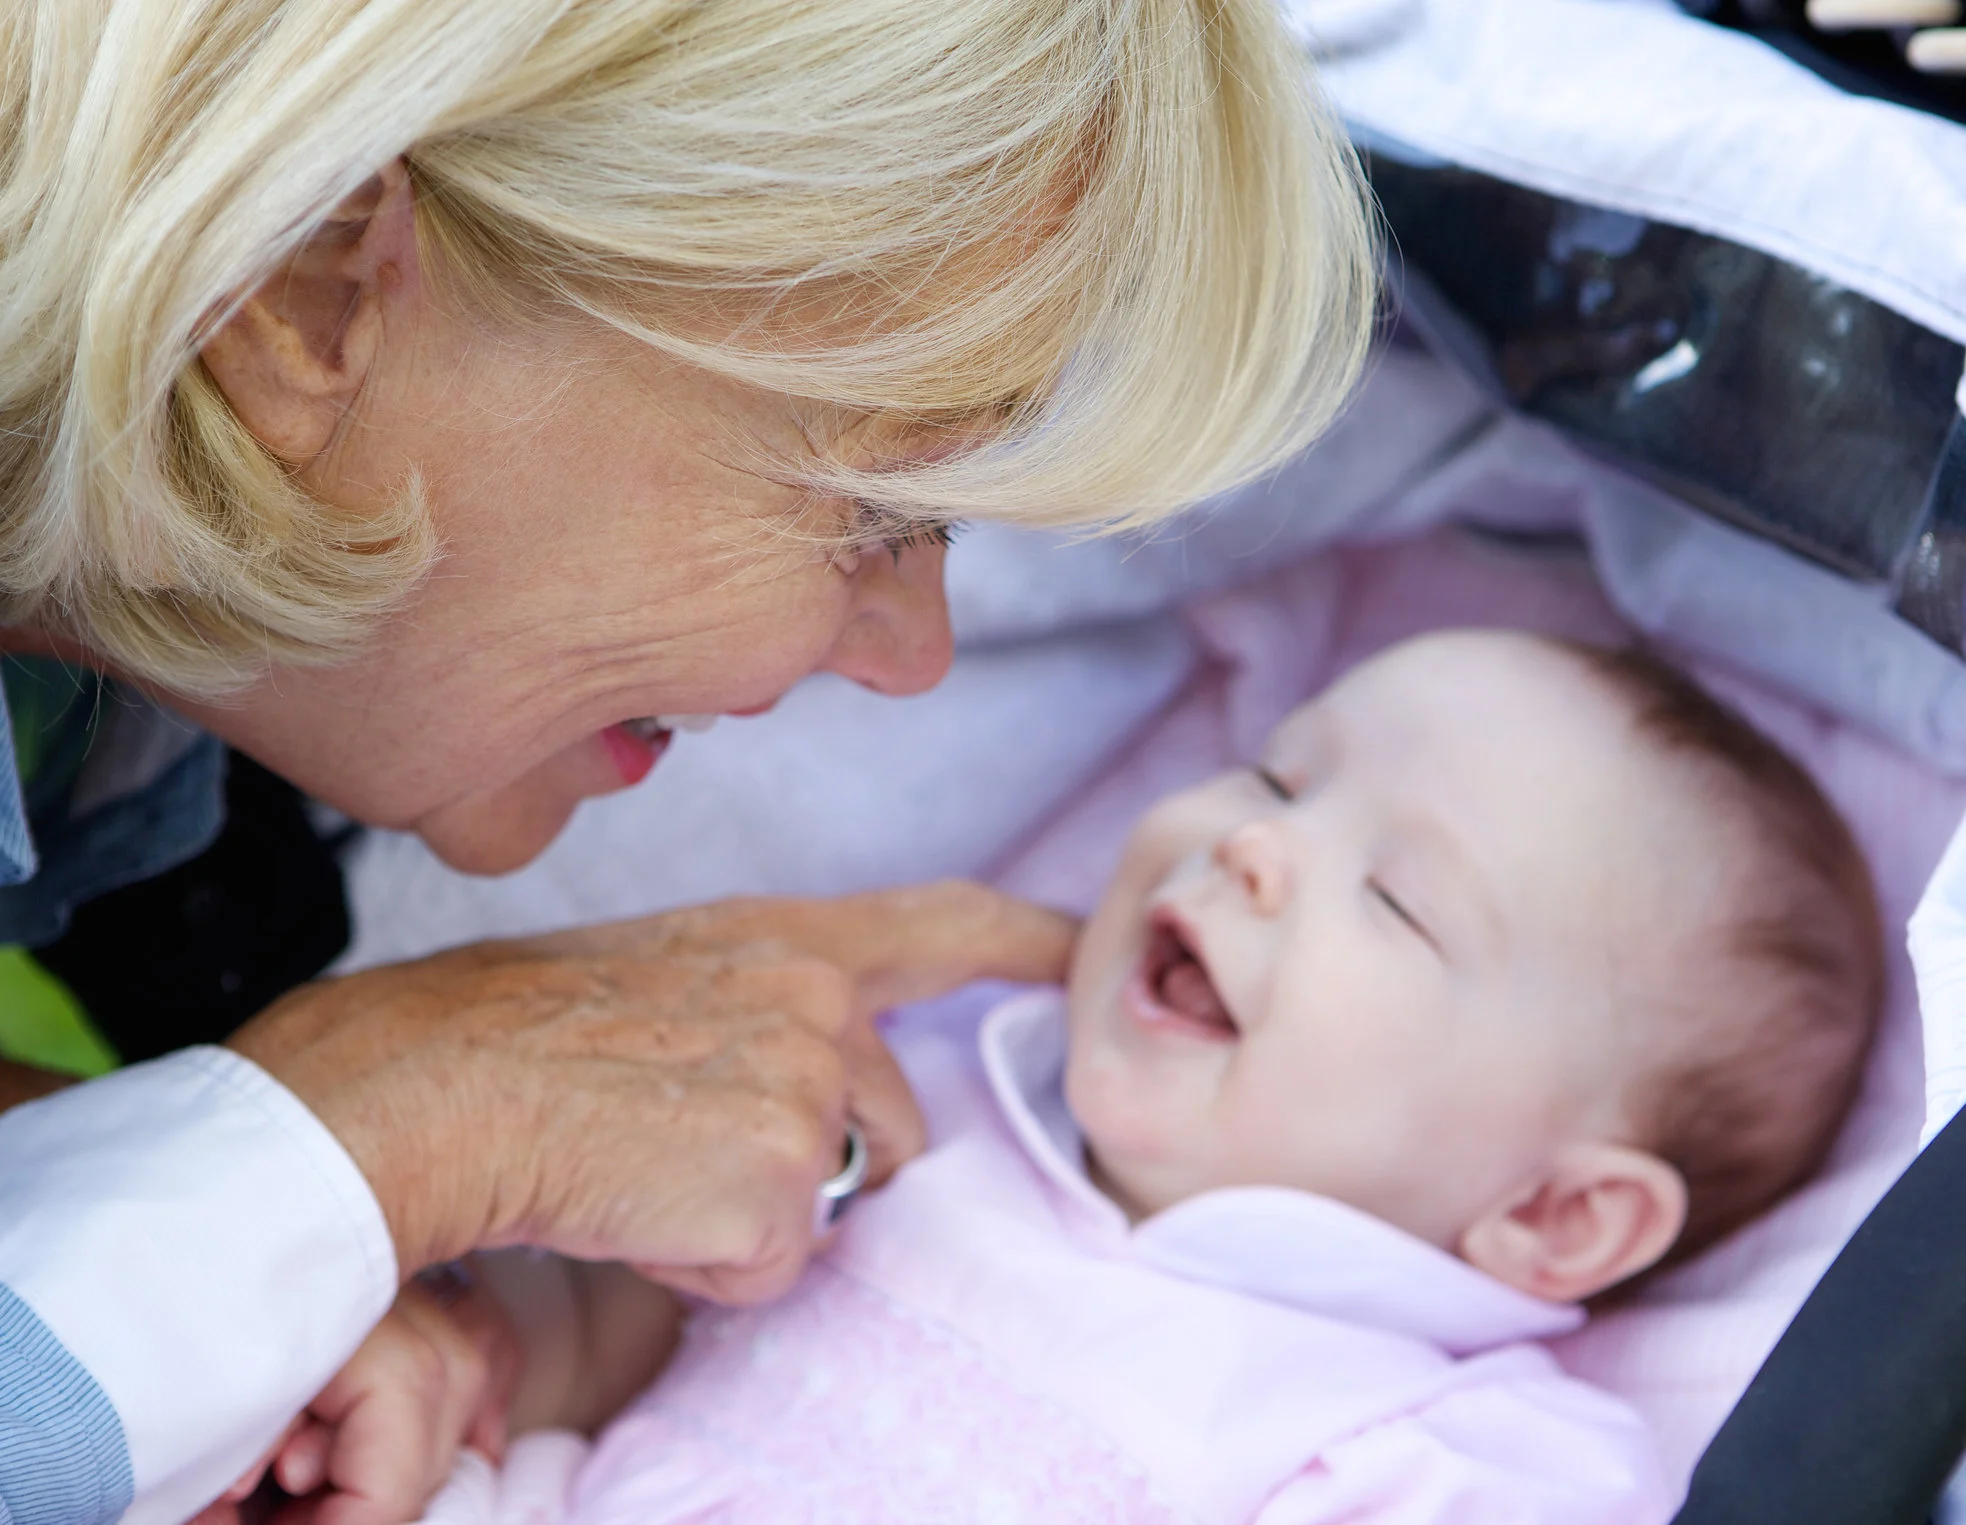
1600,1215
298,351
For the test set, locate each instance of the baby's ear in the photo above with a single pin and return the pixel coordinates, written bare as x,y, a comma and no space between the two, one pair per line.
1601,1213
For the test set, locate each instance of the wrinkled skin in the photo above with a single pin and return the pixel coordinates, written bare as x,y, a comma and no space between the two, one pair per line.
613,545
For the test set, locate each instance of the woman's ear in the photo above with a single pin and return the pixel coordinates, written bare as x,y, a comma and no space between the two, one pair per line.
298,351
1602,1213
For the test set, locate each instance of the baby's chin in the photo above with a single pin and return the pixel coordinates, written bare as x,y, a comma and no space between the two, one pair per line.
1119,1138
1116,1191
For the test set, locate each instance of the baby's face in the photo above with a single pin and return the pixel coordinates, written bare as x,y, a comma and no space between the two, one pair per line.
1383,965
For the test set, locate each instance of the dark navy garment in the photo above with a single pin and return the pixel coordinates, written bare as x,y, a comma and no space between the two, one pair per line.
113,790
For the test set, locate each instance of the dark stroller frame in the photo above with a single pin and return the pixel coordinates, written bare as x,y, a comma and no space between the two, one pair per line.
1858,1416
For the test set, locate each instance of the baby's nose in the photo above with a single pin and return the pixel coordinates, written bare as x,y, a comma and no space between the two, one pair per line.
1253,855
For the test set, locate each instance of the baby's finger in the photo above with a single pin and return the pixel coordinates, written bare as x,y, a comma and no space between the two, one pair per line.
483,1321
302,1465
459,1369
247,1483
397,1414
382,1466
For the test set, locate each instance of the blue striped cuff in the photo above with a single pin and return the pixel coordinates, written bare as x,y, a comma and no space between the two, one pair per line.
17,857
63,1460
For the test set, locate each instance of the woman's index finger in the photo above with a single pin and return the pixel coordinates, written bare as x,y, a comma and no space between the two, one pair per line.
915,942
896,945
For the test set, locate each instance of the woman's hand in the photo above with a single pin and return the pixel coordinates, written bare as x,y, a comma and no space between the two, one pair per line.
667,1092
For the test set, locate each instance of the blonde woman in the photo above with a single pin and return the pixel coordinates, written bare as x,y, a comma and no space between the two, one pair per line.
427,397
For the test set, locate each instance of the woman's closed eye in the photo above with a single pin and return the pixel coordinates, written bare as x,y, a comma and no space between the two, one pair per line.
874,530
918,537
895,533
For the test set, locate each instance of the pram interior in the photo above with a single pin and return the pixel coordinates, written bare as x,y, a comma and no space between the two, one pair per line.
1057,727
1073,658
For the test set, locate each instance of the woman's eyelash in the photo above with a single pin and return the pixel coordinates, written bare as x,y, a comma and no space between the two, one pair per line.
1271,782
895,534
920,536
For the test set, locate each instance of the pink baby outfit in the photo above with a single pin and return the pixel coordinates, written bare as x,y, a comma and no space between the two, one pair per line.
988,1340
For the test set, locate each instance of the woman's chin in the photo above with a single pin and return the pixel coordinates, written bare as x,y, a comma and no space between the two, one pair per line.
492,842
503,829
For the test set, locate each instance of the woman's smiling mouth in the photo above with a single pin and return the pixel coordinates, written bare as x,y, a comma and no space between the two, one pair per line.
636,747
1171,990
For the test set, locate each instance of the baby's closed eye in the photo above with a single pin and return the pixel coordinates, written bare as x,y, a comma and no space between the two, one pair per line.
1401,911
1271,782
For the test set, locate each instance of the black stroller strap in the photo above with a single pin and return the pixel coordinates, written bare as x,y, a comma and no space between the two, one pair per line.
1858,1415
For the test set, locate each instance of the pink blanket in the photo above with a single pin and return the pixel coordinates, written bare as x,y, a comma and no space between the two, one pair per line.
1685,1350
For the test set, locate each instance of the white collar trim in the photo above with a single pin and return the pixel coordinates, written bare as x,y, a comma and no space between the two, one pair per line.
1273,1242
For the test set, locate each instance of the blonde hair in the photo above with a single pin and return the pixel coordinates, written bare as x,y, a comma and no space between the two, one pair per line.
1124,231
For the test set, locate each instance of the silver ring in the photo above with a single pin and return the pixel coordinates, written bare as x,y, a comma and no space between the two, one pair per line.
836,1193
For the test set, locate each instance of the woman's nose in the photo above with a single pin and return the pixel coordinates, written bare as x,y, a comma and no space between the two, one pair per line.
896,639
1254,855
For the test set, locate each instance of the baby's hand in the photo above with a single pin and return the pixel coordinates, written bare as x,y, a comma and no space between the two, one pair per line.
433,1377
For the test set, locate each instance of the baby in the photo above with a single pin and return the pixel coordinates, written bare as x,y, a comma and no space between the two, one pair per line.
1510,971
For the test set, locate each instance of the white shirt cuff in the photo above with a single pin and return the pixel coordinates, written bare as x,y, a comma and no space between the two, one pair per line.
200,1242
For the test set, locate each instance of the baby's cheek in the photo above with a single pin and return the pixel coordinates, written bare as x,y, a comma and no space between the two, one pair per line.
1103,1101
1179,827
1132,1115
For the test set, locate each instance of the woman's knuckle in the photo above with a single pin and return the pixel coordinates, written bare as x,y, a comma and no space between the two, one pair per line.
744,1240
772,979
812,1067
823,992
790,1135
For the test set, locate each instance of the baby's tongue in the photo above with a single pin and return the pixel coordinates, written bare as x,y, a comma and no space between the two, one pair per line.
1187,988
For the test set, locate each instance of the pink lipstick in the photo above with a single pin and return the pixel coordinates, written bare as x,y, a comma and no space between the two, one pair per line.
636,748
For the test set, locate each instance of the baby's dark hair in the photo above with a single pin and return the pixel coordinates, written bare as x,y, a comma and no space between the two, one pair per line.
1772,1040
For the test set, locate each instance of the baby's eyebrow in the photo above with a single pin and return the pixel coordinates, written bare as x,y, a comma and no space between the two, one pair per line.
1316,744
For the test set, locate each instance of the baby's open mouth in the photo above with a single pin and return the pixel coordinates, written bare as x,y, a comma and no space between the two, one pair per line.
1175,979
